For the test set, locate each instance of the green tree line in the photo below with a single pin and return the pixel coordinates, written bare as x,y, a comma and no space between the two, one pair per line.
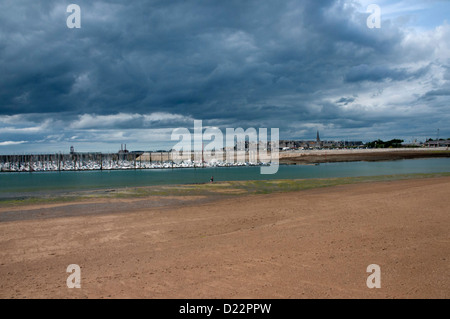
385,144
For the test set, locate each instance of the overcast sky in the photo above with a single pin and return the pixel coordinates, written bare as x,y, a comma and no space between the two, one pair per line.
136,70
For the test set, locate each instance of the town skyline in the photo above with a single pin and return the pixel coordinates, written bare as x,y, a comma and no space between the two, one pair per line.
168,145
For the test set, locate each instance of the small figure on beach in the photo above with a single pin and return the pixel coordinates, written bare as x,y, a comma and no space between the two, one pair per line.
212,179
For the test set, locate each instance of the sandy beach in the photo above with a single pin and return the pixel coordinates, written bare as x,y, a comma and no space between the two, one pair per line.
314,243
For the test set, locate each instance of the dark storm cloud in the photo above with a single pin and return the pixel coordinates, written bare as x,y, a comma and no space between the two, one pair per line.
161,64
431,95
380,73
169,56
345,100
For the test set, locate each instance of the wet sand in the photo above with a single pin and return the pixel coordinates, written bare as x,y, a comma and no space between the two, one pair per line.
308,244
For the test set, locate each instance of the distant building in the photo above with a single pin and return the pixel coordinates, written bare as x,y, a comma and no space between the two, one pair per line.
354,143
123,152
122,149
329,144
440,143
318,143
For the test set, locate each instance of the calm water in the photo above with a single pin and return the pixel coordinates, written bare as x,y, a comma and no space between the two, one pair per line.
11,183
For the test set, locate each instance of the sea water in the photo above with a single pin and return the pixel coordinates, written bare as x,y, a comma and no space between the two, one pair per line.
13,183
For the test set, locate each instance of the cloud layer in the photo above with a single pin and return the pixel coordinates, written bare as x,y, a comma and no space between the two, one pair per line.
134,71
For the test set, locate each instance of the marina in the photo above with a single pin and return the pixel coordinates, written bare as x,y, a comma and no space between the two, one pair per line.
99,161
